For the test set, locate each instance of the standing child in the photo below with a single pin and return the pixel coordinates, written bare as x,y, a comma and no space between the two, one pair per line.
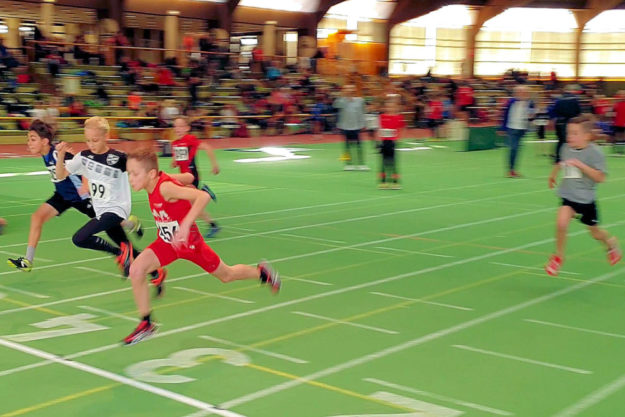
175,208
584,167
391,125
105,170
184,148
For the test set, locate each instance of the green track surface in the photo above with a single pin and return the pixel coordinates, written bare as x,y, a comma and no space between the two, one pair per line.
429,301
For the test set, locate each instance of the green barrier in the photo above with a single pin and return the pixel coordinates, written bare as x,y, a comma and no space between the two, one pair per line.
483,138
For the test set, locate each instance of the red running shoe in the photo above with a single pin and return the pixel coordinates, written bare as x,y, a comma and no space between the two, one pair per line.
269,276
615,255
143,330
554,265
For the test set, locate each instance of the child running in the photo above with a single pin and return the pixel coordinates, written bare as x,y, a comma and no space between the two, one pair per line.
391,125
584,166
184,150
68,193
105,170
175,208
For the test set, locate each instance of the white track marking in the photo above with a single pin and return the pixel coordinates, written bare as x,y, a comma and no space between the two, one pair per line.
109,313
30,294
593,398
224,297
313,238
17,255
97,271
119,379
309,281
522,359
531,267
88,296
579,329
416,342
314,297
439,397
415,252
421,301
57,265
251,349
347,323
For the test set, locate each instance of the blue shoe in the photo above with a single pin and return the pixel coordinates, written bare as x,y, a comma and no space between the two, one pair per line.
210,192
212,231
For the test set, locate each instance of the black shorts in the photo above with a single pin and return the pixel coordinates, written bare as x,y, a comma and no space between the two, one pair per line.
387,149
60,204
587,213
619,129
352,135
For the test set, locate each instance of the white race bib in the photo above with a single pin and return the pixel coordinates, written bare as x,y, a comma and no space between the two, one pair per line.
166,230
388,133
99,191
181,153
572,172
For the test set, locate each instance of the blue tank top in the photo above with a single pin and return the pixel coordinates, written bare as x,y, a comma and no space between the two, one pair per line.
67,188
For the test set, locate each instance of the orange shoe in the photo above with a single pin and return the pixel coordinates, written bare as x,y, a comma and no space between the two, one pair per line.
554,265
125,258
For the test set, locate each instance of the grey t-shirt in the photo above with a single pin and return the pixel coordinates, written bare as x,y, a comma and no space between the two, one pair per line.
575,185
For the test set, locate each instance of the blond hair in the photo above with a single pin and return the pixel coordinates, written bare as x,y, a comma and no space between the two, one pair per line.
99,123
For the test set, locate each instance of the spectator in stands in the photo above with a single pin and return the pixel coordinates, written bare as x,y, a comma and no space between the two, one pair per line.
351,120
164,77
435,115
169,111
619,117
564,109
257,61
119,41
194,80
516,118
134,100
273,71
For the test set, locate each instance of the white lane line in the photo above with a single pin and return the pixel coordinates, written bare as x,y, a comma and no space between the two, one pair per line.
593,398
313,238
579,329
347,323
97,271
17,255
399,297
57,265
312,297
531,267
251,349
41,241
239,228
88,296
416,342
392,213
415,252
224,297
439,397
522,359
119,379
309,281
109,313
28,293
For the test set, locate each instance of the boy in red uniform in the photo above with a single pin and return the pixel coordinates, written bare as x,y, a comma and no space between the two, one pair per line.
175,208
391,125
184,149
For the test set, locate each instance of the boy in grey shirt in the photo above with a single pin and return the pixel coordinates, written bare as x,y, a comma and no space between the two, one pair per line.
584,166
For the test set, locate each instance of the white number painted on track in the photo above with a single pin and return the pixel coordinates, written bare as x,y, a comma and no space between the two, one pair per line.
146,370
421,408
77,324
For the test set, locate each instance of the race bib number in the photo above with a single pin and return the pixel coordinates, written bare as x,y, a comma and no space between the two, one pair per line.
99,191
181,153
388,133
572,172
166,230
